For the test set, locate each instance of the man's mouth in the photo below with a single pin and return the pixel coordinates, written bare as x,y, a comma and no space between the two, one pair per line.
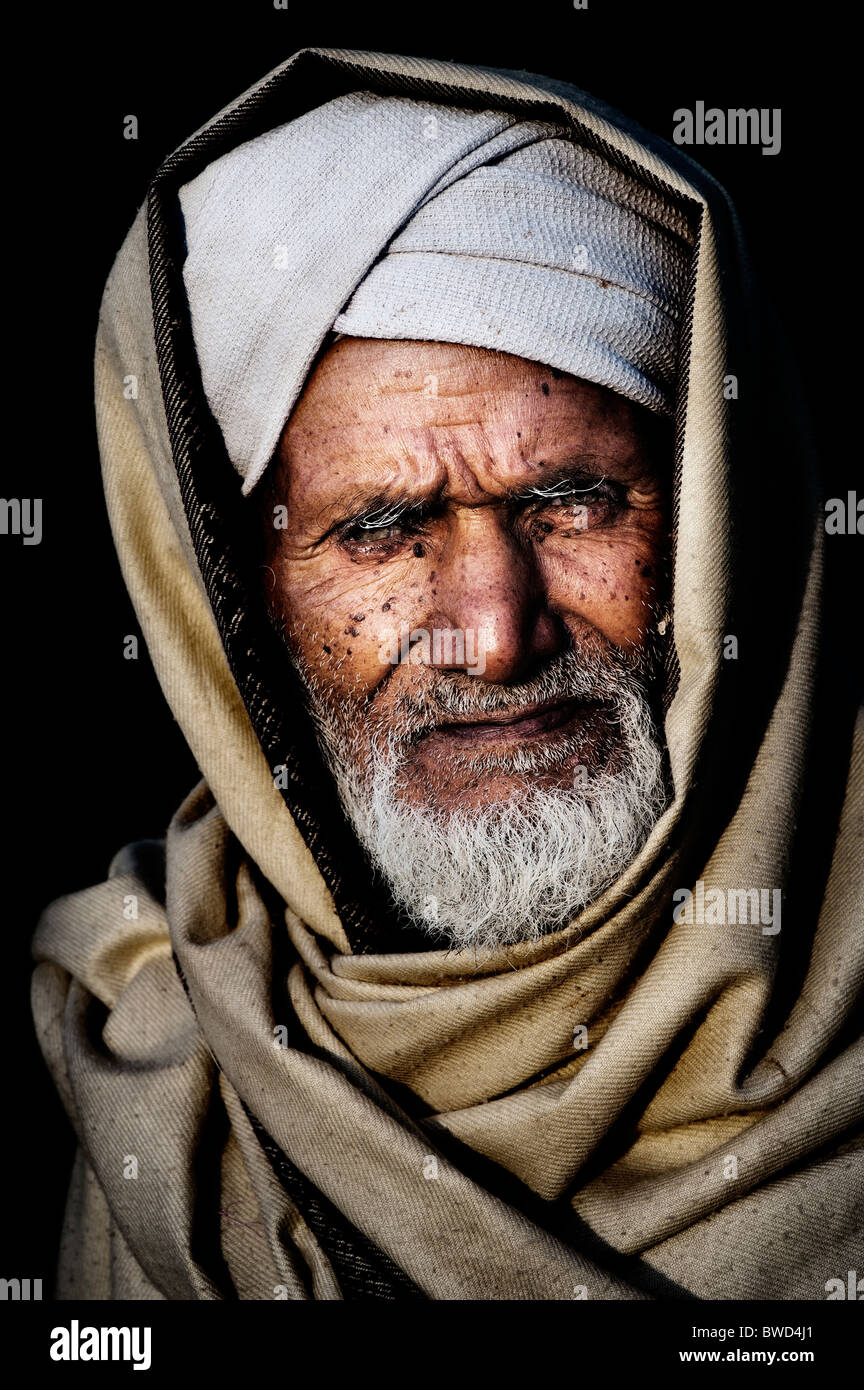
515,727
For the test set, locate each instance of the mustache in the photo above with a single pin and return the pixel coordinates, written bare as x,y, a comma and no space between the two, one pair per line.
590,674
525,863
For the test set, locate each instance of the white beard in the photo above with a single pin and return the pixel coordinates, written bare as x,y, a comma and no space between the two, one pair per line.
521,867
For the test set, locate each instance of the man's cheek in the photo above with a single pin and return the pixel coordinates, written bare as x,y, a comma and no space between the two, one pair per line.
351,628
613,586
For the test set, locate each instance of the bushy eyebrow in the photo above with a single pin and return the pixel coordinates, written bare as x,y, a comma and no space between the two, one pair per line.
568,486
382,516
384,506
381,508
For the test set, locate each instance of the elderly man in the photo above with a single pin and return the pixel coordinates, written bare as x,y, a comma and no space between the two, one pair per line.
427,408
502,778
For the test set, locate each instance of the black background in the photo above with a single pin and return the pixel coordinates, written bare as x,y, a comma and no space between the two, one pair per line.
92,757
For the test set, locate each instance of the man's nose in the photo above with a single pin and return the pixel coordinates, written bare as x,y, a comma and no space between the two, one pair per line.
491,594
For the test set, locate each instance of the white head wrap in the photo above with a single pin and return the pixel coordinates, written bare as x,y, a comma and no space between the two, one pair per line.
386,217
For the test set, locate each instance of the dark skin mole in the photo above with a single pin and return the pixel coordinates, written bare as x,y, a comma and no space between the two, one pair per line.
544,387
418,550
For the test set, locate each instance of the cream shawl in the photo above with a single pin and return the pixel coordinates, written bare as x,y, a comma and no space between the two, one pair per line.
272,1099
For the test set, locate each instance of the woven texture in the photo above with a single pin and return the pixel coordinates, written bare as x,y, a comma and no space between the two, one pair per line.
516,239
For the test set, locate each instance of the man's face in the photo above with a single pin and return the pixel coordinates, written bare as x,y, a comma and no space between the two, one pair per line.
469,553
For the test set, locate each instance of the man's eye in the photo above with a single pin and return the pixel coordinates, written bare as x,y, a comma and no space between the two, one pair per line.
365,534
381,537
577,511
557,503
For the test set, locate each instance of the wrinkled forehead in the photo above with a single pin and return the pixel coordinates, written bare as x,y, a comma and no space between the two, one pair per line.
391,385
